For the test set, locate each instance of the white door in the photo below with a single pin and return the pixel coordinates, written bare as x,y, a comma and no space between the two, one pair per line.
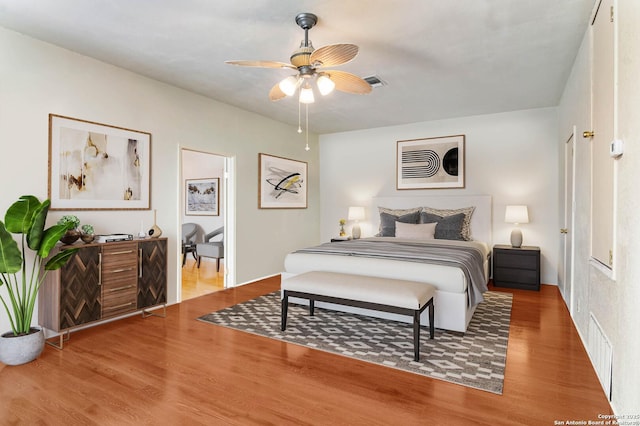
566,232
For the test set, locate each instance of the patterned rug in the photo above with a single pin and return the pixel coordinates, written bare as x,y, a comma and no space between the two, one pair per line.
475,358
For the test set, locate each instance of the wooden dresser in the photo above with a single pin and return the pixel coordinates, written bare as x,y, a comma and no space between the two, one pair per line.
103,281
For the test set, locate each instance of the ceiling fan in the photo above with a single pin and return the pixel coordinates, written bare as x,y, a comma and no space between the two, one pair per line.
310,64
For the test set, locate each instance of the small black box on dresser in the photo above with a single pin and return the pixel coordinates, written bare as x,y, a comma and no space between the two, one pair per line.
516,267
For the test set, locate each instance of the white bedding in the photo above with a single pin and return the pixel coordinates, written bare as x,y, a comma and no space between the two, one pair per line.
444,278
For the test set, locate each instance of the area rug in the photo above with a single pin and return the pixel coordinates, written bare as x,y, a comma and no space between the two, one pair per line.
475,358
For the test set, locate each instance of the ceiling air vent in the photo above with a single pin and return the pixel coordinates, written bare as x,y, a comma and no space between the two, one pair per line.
375,81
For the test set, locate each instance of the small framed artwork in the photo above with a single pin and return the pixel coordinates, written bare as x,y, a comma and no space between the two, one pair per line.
282,183
94,166
430,163
202,197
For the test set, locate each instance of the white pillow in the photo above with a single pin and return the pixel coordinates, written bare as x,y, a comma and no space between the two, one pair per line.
416,231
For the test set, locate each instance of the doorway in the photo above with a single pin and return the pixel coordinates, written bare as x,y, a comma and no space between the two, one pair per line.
206,207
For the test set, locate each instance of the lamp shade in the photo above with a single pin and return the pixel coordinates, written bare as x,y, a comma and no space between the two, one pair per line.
289,85
325,85
306,95
516,214
356,213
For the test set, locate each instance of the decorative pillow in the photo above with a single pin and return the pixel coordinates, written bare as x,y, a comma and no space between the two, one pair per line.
398,212
448,227
388,222
394,212
466,225
418,231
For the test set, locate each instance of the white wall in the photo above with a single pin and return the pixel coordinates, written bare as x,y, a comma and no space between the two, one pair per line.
37,79
510,156
612,300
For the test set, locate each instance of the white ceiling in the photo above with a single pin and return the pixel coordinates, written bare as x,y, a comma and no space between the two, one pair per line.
439,58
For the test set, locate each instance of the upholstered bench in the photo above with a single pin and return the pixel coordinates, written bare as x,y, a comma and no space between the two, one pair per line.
381,294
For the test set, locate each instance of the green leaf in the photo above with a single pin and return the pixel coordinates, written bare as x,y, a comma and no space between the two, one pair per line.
49,239
36,231
10,255
20,214
60,259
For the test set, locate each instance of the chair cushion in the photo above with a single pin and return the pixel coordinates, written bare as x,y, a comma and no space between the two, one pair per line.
213,249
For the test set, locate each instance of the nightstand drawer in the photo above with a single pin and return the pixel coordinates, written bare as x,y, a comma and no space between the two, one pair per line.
520,261
520,276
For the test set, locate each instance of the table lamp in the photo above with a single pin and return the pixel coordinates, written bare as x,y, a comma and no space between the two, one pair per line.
516,215
356,213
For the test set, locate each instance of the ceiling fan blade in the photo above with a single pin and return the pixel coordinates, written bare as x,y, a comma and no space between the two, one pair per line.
349,83
275,94
260,64
333,54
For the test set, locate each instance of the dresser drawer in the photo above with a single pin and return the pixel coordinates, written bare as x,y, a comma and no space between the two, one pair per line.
119,278
118,301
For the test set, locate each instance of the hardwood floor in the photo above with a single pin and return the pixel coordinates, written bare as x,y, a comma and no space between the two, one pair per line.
177,370
203,280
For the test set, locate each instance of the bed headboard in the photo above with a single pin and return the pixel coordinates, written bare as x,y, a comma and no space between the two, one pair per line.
481,221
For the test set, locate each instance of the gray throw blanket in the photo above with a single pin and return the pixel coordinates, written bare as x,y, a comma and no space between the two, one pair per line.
441,252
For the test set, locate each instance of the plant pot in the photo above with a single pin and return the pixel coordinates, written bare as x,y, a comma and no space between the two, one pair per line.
70,236
87,238
17,350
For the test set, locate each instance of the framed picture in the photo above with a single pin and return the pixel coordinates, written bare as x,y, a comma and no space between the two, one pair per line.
430,163
282,183
95,166
202,197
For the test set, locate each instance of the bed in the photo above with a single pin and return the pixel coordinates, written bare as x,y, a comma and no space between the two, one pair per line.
458,268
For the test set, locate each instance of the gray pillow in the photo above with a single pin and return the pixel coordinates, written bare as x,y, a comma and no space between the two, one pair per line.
448,227
388,222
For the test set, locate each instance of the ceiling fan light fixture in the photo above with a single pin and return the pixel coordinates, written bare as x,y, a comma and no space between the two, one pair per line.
325,84
289,85
306,95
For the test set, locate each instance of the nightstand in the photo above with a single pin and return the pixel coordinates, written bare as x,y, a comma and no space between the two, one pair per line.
516,267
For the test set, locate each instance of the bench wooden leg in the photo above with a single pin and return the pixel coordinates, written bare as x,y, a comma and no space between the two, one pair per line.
432,320
416,335
283,310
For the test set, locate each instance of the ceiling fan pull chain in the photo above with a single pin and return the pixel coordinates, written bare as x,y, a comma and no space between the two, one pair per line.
306,106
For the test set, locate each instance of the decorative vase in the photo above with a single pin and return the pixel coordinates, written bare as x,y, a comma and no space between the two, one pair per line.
70,237
87,238
17,350
155,231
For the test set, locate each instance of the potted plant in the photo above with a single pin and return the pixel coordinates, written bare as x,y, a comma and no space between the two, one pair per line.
87,233
26,218
71,222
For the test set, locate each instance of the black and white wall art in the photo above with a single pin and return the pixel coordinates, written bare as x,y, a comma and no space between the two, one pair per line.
430,163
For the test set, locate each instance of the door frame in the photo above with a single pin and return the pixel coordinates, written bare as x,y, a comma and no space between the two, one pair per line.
567,239
228,201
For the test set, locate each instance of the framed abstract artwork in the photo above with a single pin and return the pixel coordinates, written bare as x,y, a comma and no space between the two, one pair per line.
94,166
430,163
202,197
282,183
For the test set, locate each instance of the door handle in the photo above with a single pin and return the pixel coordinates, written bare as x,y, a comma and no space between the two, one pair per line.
564,231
